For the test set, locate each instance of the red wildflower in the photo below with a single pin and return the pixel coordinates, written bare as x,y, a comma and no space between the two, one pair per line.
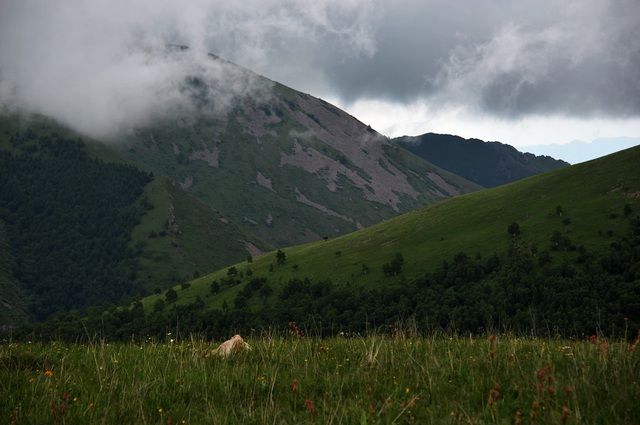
565,413
294,385
494,394
311,408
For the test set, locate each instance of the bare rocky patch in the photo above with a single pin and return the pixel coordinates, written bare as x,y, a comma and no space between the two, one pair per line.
306,201
187,183
264,181
442,184
257,122
357,142
211,157
253,250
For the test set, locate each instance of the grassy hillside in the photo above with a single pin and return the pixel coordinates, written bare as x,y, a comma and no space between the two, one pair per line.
489,164
181,238
591,197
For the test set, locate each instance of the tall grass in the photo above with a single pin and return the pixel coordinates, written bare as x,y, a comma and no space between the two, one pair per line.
375,379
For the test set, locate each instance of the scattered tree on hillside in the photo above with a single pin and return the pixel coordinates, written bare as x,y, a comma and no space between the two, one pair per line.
627,210
514,229
215,287
281,257
171,296
394,267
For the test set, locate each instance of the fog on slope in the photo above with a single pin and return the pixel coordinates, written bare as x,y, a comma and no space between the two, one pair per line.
104,67
578,151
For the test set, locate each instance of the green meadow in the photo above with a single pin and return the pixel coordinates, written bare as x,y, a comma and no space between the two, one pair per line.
361,380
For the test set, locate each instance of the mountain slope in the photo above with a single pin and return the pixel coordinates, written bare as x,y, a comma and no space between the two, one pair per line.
84,227
489,164
579,206
181,238
283,165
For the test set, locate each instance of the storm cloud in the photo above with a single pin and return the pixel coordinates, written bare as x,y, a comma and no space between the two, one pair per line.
510,59
106,66
103,66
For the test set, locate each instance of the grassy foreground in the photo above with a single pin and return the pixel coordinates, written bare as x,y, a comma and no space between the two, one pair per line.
344,380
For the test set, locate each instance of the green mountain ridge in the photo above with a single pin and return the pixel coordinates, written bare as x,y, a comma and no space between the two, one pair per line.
574,210
488,164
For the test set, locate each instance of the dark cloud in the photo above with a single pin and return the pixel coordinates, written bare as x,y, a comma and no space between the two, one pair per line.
101,65
510,59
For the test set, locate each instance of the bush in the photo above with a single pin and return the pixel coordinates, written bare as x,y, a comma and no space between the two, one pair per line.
394,267
171,296
215,287
514,229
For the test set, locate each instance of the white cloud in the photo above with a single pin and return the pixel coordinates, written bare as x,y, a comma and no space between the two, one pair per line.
395,119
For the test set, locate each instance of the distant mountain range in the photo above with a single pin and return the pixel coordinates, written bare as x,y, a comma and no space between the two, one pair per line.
578,151
86,222
488,164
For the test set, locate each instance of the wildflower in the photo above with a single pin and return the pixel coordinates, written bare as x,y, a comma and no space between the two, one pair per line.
294,386
494,394
534,411
568,390
48,373
492,351
295,331
542,373
603,346
32,380
311,408
565,413
407,390
159,409
518,419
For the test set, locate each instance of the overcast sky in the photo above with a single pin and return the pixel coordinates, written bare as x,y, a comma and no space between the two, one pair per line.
525,72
